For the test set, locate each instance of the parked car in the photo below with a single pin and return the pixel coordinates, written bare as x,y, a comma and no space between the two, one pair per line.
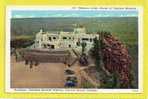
69,72
72,78
70,84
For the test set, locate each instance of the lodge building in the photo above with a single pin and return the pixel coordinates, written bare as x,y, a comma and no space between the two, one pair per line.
63,39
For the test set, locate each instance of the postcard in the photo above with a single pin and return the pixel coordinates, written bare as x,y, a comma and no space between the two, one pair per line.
74,49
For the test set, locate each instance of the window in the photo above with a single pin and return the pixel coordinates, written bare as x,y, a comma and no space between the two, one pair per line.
52,46
54,38
85,39
49,38
90,39
45,46
64,38
69,46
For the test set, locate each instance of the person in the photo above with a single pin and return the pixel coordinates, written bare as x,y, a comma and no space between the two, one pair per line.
16,55
31,64
12,51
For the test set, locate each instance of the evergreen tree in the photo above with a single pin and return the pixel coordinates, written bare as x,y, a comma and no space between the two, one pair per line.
83,44
96,53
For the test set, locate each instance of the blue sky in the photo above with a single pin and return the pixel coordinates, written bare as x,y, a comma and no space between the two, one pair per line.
72,13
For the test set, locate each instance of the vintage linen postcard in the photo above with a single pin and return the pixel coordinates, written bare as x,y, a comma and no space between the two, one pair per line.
74,49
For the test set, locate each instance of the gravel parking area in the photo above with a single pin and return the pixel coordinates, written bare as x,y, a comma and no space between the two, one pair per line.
45,75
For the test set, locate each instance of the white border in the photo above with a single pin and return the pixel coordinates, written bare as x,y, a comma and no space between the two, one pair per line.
64,90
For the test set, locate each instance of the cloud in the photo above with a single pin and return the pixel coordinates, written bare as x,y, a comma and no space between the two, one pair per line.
74,15
23,16
64,15
17,16
54,15
31,16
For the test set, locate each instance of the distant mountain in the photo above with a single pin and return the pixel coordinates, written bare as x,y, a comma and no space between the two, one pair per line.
30,26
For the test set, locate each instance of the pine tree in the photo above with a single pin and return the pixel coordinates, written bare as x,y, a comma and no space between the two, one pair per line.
96,53
83,44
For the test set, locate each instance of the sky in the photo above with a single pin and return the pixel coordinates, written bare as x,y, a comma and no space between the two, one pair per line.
72,13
